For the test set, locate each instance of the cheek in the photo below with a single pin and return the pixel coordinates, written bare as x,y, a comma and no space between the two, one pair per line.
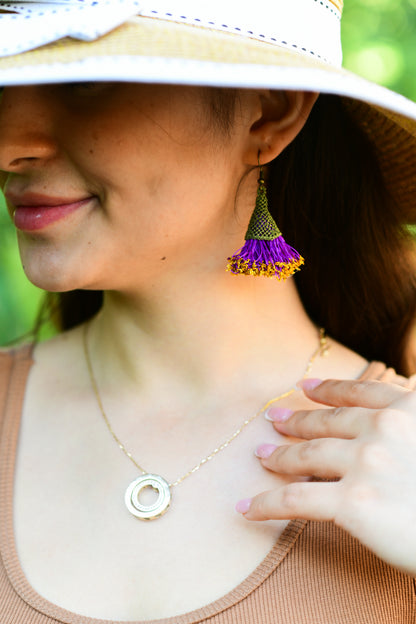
153,184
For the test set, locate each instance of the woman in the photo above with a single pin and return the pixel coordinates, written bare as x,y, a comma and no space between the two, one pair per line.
141,191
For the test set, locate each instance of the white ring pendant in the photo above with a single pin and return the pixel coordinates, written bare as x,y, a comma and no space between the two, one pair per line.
156,509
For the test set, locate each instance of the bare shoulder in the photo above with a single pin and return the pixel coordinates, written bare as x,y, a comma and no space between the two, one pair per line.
60,357
64,343
343,363
340,363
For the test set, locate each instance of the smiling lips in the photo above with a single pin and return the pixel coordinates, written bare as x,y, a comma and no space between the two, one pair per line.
35,212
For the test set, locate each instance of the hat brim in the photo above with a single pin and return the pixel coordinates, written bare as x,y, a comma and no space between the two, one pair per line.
156,51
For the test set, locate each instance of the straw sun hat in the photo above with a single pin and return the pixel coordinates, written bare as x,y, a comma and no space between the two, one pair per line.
277,44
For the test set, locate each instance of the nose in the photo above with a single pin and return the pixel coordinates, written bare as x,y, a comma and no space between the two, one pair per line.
26,136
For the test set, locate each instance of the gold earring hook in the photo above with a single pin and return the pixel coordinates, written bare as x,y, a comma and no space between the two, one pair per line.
261,178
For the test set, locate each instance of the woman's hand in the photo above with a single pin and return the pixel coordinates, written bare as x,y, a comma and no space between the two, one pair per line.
368,441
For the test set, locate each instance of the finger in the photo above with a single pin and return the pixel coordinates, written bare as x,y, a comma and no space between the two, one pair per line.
319,458
310,501
341,422
350,393
378,371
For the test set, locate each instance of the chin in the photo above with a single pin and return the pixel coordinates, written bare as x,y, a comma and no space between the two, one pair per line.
51,282
52,269
53,276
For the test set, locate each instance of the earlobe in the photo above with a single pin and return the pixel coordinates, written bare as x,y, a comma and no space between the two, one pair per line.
283,115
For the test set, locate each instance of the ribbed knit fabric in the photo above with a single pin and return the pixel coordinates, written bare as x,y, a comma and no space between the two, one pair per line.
315,574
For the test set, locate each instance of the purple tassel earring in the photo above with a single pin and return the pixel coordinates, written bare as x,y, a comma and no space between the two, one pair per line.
265,251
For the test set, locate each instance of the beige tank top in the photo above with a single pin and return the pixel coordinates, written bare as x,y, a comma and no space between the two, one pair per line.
315,574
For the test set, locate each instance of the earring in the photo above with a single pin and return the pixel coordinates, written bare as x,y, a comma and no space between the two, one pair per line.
265,251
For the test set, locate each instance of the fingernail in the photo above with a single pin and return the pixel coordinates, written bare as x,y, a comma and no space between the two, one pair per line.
309,384
278,414
265,450
243,505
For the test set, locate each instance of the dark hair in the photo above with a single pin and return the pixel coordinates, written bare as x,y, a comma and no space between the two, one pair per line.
328,196
332,202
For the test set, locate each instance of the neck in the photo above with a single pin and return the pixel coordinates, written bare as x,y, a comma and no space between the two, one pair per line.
189,338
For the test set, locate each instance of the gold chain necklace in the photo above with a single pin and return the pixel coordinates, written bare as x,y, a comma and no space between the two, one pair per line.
158,483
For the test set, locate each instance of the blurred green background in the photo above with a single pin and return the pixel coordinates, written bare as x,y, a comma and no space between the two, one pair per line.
379,43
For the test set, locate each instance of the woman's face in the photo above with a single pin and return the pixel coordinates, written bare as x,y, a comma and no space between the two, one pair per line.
109,184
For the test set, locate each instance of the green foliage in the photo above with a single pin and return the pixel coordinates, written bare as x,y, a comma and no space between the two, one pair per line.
19,299
379,44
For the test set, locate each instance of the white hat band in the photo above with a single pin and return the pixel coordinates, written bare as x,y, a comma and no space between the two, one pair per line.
310,27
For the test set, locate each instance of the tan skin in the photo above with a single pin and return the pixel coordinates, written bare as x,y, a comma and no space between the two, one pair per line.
174,349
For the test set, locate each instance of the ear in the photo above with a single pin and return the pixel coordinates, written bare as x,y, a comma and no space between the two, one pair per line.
280,118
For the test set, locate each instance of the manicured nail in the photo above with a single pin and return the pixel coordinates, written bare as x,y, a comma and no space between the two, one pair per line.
309,384
265,450
243,505
278,414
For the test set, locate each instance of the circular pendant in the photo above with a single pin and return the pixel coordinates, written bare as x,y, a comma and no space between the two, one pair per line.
148,512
